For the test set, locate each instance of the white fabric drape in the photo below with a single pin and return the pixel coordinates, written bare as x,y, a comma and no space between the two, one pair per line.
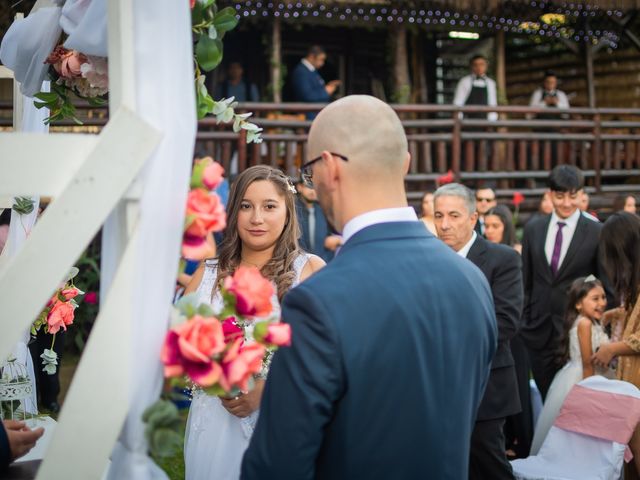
166,99
19,229
85,23
27,44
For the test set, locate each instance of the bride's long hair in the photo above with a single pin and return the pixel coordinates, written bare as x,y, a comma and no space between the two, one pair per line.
280,268
579,289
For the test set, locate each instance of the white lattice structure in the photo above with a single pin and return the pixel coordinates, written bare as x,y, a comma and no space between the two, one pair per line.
132,178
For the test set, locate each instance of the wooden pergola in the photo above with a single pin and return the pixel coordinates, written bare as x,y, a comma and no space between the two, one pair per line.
584,27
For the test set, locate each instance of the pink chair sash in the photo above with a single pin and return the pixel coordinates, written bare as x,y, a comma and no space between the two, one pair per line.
604,415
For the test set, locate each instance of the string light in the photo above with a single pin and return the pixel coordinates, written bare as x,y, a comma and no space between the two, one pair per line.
356,13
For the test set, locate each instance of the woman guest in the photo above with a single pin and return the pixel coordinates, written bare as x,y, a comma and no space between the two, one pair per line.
427,212
498,227
518,429
262,232
620,247
625,203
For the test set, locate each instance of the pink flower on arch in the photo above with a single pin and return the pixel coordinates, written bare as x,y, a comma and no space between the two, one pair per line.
60,316
189,349
205,213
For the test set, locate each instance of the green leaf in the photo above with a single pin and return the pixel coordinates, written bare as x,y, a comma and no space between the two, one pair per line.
165,442
47,96
212,32
225,20
40,105
206,310
208,53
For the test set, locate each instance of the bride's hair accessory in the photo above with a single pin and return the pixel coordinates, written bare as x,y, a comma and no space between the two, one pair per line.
291,186
590,278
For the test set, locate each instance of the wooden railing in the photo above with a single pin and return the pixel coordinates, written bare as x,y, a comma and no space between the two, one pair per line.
513,153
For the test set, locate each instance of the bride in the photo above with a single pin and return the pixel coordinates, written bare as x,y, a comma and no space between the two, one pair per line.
262,231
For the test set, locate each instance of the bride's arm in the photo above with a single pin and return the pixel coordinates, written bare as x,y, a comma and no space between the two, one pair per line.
196,278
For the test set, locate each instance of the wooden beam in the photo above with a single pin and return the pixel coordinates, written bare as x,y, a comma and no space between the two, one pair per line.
501,68
588,61
123,147
276,60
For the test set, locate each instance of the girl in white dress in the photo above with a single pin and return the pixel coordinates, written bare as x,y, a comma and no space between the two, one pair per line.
583,335
262,231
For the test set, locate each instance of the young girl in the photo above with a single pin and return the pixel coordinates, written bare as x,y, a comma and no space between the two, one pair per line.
583,335
262,231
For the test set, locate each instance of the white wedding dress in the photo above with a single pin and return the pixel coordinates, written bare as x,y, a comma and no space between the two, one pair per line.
565,379
215,440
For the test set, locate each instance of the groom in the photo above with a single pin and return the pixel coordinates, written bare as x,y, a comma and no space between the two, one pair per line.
392,341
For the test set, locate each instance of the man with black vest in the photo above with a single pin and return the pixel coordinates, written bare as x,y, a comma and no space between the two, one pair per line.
477,88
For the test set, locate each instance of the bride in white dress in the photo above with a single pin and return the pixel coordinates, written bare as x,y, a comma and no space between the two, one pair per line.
262,231
586,304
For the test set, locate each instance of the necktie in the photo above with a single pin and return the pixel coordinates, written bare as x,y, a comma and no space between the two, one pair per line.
312,228
557,247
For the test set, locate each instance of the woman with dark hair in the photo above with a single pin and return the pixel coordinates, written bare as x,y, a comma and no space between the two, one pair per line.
620,247
625,203
427,212
262,231
498,227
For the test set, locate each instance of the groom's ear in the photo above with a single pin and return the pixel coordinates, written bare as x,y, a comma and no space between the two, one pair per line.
407,164
333,169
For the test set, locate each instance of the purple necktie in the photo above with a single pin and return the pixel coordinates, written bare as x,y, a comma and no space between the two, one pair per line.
557,247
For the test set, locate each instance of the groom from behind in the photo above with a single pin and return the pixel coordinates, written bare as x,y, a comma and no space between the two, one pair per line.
392,342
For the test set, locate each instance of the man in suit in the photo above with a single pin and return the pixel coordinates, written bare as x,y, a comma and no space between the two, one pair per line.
556,249
308,85
392,341
16,440
455,217
316,236
485,201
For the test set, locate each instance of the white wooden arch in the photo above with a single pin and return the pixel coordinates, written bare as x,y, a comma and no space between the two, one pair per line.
133,178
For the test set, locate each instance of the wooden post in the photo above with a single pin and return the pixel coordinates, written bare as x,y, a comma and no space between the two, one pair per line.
501,70
276,60
597,151
588,61
401,82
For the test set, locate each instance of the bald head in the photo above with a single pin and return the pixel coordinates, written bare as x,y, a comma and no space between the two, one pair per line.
364,129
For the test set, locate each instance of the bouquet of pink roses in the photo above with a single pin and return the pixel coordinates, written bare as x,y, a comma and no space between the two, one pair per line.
221,352
57,314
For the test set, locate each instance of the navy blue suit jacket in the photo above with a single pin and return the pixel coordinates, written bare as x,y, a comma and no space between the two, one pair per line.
392,346
308,86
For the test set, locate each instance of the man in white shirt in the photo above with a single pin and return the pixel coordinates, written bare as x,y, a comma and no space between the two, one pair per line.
548,96
556,249
477,88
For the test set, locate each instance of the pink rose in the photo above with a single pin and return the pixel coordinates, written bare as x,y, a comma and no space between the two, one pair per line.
278,334
69,293
231,330
253,292
189,348
60,316
212,175
66,62
205,213
195,248
242,362
91,297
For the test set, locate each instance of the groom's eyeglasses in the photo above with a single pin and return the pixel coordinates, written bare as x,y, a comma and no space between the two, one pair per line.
306,173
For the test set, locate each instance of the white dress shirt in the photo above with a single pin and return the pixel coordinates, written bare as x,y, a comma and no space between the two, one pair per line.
567,235
307,64
463,89
538,101
464,251
385,215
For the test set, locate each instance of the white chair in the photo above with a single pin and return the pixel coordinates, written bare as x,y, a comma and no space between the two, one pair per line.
589,437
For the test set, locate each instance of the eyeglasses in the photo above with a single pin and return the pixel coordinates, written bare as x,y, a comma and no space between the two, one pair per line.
306,173
480,199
